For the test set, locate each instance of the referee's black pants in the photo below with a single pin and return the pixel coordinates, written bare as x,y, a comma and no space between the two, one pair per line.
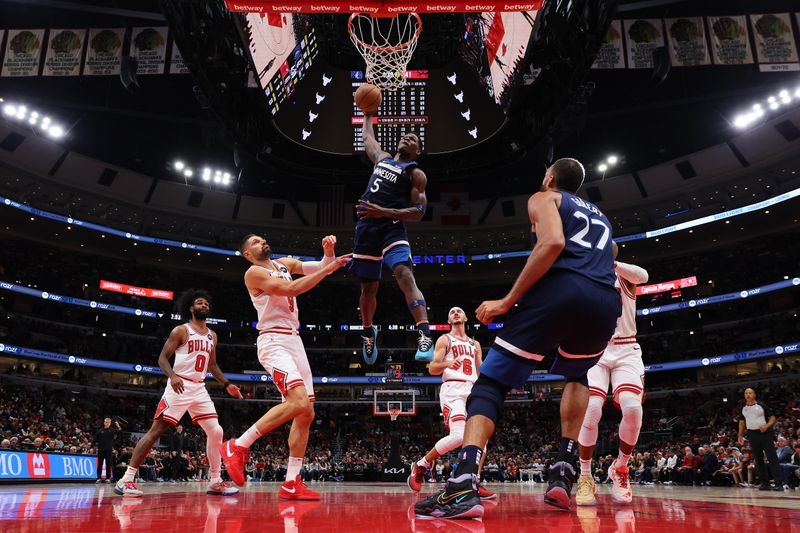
108,457
763,444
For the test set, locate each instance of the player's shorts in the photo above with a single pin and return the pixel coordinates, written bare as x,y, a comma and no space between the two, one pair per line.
378,243
453,399
620,366
284,357
564,311
194,398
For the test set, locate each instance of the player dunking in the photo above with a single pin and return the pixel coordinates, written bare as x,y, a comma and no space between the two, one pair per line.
622,365
567,301
395,194
195,349
457,359
280,350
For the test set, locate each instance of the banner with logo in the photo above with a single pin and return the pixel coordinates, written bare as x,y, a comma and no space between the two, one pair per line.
44,465
105,52
665,286
64,52
149,48
687,42
611,53
730,44
774,39
176,63
135,291
376,7
23,53
643,37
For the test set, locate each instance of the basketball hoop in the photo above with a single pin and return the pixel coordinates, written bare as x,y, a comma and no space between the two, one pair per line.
394,412
386,44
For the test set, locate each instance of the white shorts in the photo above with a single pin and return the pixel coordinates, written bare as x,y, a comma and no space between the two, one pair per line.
453,399
621,365
194,398
284,357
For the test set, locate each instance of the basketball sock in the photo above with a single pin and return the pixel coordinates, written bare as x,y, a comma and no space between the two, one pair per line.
622,459
424,327
424,463
248,437
293,468
586,467
130,474
567,450
468,459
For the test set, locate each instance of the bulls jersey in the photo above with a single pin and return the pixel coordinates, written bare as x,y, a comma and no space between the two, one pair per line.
466,352
626,323
191,357
276,312
587,240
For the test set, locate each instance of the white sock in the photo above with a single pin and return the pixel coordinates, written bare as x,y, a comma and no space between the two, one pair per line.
293,468
424,463
130,474
248,437
586,467
622,459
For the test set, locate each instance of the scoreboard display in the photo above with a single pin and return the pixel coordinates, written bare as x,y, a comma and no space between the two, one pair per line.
394,373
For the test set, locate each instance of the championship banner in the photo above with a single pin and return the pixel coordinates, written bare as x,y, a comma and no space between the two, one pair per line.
376,7
149,48
43,465
135,291
643,37
23,53
176,63
774,40
64,53
729,42
611,54
666,286
687,42
105,52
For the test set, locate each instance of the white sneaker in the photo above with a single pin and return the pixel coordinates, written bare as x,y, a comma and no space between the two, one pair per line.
621,486
586,489
222,488
127,489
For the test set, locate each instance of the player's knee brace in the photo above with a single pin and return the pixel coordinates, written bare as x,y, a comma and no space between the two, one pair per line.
486,398
631,406
591,421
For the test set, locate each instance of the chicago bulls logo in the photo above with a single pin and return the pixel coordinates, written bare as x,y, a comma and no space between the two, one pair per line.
279,377
162,406
446,414
38,465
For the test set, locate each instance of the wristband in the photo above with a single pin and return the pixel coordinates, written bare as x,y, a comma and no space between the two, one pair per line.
227,384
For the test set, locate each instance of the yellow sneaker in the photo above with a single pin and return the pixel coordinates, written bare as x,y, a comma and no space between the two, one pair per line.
586,490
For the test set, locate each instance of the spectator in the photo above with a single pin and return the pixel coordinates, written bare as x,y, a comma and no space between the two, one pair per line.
104,439
791,469
176,440
708,466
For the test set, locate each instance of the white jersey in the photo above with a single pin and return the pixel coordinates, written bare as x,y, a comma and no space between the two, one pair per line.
466,352
191,357
276,312
626,323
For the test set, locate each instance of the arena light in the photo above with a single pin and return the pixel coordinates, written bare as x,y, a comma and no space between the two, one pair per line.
10,110
773,102
179,165
188,173
33,118
56,132
602,167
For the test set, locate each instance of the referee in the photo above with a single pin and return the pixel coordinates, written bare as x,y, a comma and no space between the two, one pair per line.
758,420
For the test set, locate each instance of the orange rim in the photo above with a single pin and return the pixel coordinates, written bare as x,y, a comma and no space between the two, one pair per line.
384,49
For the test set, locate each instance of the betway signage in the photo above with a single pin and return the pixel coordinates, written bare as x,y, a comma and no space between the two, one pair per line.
665,286
135,291
34,465
376,7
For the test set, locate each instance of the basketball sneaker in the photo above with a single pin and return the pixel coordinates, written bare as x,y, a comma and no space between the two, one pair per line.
235,458
459,499
424,348
369,347
416,477
486,494
560,478
586,490
222,488
620,483
128,488
296,490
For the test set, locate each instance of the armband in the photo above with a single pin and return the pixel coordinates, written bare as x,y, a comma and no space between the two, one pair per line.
422,208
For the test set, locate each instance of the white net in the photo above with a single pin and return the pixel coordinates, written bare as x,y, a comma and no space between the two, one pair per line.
386,44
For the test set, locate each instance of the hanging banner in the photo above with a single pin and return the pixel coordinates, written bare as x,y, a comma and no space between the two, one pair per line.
729,42
643,37
64,53
376,7
135,291
774,40
665,286
687,42
105,52
611,54
149,48
23,53
176,63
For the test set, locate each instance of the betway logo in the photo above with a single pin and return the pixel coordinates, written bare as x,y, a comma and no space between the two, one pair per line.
362,9
325,9
285,9
447,8
480,7
401,9
247,8
519,7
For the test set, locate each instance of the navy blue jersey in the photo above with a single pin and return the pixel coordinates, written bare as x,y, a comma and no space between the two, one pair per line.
390,184
587,235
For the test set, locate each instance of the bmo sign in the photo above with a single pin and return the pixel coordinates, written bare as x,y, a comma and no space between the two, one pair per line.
32,466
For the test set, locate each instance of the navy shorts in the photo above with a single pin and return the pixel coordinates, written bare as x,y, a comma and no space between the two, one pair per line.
377,243
563,311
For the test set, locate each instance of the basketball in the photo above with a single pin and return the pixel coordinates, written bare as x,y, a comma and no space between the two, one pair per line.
368,98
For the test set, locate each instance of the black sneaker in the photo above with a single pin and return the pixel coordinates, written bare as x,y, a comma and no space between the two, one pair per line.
459,499
765,487
560,478
424,348
369,347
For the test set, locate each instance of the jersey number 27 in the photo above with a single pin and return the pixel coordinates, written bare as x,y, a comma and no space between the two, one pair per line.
578,238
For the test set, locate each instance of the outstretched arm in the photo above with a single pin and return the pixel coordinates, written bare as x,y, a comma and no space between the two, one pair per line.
309,267
371,146
414,213
258,278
